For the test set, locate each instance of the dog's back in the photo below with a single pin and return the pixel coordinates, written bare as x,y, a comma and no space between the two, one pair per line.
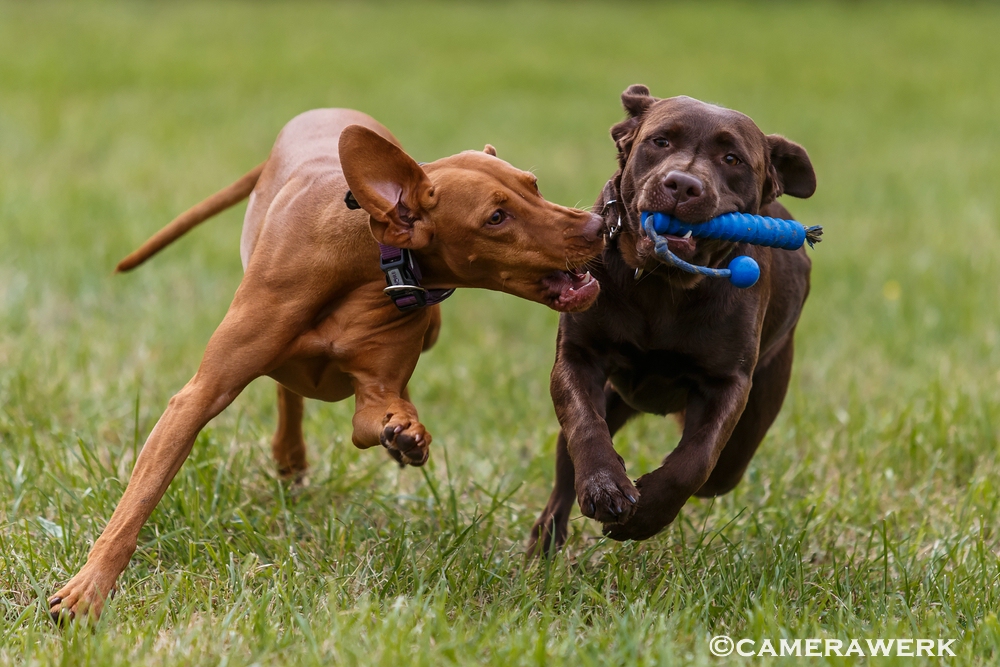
306,154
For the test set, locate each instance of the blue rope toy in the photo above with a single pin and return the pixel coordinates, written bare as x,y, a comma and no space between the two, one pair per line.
743,271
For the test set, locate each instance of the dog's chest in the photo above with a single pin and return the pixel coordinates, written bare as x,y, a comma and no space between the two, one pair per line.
656,382
355,336
657,349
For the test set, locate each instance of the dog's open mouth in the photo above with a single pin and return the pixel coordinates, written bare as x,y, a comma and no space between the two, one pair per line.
682,246
570,291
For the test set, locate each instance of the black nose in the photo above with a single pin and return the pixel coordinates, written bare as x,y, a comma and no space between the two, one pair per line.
683,187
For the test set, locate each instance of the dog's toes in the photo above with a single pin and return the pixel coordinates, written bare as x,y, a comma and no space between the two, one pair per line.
616,531
389,434
55,608
607,498
294,477
61,616
633,530
61,608
81,598
397,456
408,443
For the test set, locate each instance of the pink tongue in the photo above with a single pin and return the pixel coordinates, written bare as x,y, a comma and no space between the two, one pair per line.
678,243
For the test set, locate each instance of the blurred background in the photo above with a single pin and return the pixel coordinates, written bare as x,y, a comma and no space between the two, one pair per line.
116,117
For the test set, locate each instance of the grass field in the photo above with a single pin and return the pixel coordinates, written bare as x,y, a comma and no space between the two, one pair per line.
869,512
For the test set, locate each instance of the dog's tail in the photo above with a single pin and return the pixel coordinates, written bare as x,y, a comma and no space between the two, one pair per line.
198,213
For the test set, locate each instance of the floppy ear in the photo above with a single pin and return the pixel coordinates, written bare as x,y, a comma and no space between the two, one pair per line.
636,100
390,186
789,171
489,150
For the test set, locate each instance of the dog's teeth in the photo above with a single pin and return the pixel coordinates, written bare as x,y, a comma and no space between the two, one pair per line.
587,278
687,236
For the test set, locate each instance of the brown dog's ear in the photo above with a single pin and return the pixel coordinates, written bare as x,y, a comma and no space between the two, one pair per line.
389,185
790,171
489,150
636,100
624,134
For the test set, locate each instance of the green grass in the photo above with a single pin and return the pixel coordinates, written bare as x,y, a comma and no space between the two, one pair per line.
869,512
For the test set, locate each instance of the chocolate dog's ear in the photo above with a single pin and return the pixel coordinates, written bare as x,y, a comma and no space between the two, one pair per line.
389,185
790,171
489,150
636,100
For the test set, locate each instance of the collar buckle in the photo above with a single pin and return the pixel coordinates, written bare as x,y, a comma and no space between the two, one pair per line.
614,229
407,297
402,279
402,284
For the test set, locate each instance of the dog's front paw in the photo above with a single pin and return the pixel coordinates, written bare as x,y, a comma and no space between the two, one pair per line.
608,496
639,527
407,441
83,596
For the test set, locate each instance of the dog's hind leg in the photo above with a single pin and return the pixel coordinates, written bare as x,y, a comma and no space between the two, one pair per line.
552,527
288,446
770,383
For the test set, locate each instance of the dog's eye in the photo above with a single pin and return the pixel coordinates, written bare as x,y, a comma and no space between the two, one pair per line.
731,160
497,217
661,142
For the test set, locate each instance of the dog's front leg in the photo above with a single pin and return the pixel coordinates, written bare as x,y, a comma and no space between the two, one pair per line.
387,418
250,338
383,414
552,526
603,489
711,414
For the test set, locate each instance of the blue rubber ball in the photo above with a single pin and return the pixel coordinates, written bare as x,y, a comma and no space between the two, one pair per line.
743,271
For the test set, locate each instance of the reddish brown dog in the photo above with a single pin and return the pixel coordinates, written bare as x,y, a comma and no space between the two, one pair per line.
310,311
667,342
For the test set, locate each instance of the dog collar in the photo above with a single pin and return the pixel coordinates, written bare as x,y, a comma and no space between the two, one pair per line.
402,274
402,279
615,227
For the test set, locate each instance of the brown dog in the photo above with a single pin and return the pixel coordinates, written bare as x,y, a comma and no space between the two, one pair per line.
311,311
667,342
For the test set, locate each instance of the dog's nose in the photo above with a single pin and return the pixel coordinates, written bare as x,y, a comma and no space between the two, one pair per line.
595,227
683,186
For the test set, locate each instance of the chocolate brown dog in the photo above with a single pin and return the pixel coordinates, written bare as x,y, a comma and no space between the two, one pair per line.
667,342
313,310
